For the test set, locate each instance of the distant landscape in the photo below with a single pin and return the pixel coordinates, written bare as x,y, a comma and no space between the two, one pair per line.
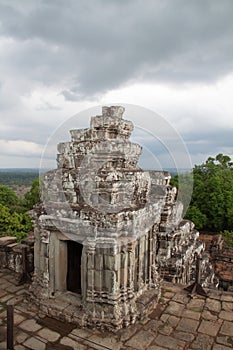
22,177
25,176
18,179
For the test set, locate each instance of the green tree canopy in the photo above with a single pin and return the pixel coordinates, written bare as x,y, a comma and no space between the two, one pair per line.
14,220
195,215
211,206
14,224
7,196
33,196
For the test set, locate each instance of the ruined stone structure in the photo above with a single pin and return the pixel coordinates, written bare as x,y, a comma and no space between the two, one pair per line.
222,259
11,254
106,230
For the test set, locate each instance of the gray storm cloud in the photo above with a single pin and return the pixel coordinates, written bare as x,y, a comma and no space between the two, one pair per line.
84,49
100,45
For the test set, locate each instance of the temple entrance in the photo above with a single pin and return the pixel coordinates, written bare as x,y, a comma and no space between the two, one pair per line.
74,255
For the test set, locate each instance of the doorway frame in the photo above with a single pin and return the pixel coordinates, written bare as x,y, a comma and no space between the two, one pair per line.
79,247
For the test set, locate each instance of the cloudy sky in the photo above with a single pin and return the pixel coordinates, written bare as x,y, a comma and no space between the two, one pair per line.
58,58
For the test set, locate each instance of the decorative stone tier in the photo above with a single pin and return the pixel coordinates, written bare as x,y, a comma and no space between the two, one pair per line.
116,154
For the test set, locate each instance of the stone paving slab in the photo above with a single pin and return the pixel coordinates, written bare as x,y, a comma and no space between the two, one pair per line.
180,322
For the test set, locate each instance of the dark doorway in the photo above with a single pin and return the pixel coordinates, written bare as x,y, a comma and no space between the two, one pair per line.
74,255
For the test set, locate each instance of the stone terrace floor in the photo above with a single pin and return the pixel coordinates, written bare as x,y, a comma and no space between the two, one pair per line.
179,322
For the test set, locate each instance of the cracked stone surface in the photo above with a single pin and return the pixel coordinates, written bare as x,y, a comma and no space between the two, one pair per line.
160,331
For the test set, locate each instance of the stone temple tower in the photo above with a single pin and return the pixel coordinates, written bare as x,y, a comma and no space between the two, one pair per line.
103,229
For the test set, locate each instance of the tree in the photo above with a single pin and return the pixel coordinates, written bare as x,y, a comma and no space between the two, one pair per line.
8,197
195,215
213,194
183,182
4,218
14,224
33,196
211,207
14,220
228,238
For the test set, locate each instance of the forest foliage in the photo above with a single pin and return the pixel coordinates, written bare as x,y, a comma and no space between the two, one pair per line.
211,207
14,218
